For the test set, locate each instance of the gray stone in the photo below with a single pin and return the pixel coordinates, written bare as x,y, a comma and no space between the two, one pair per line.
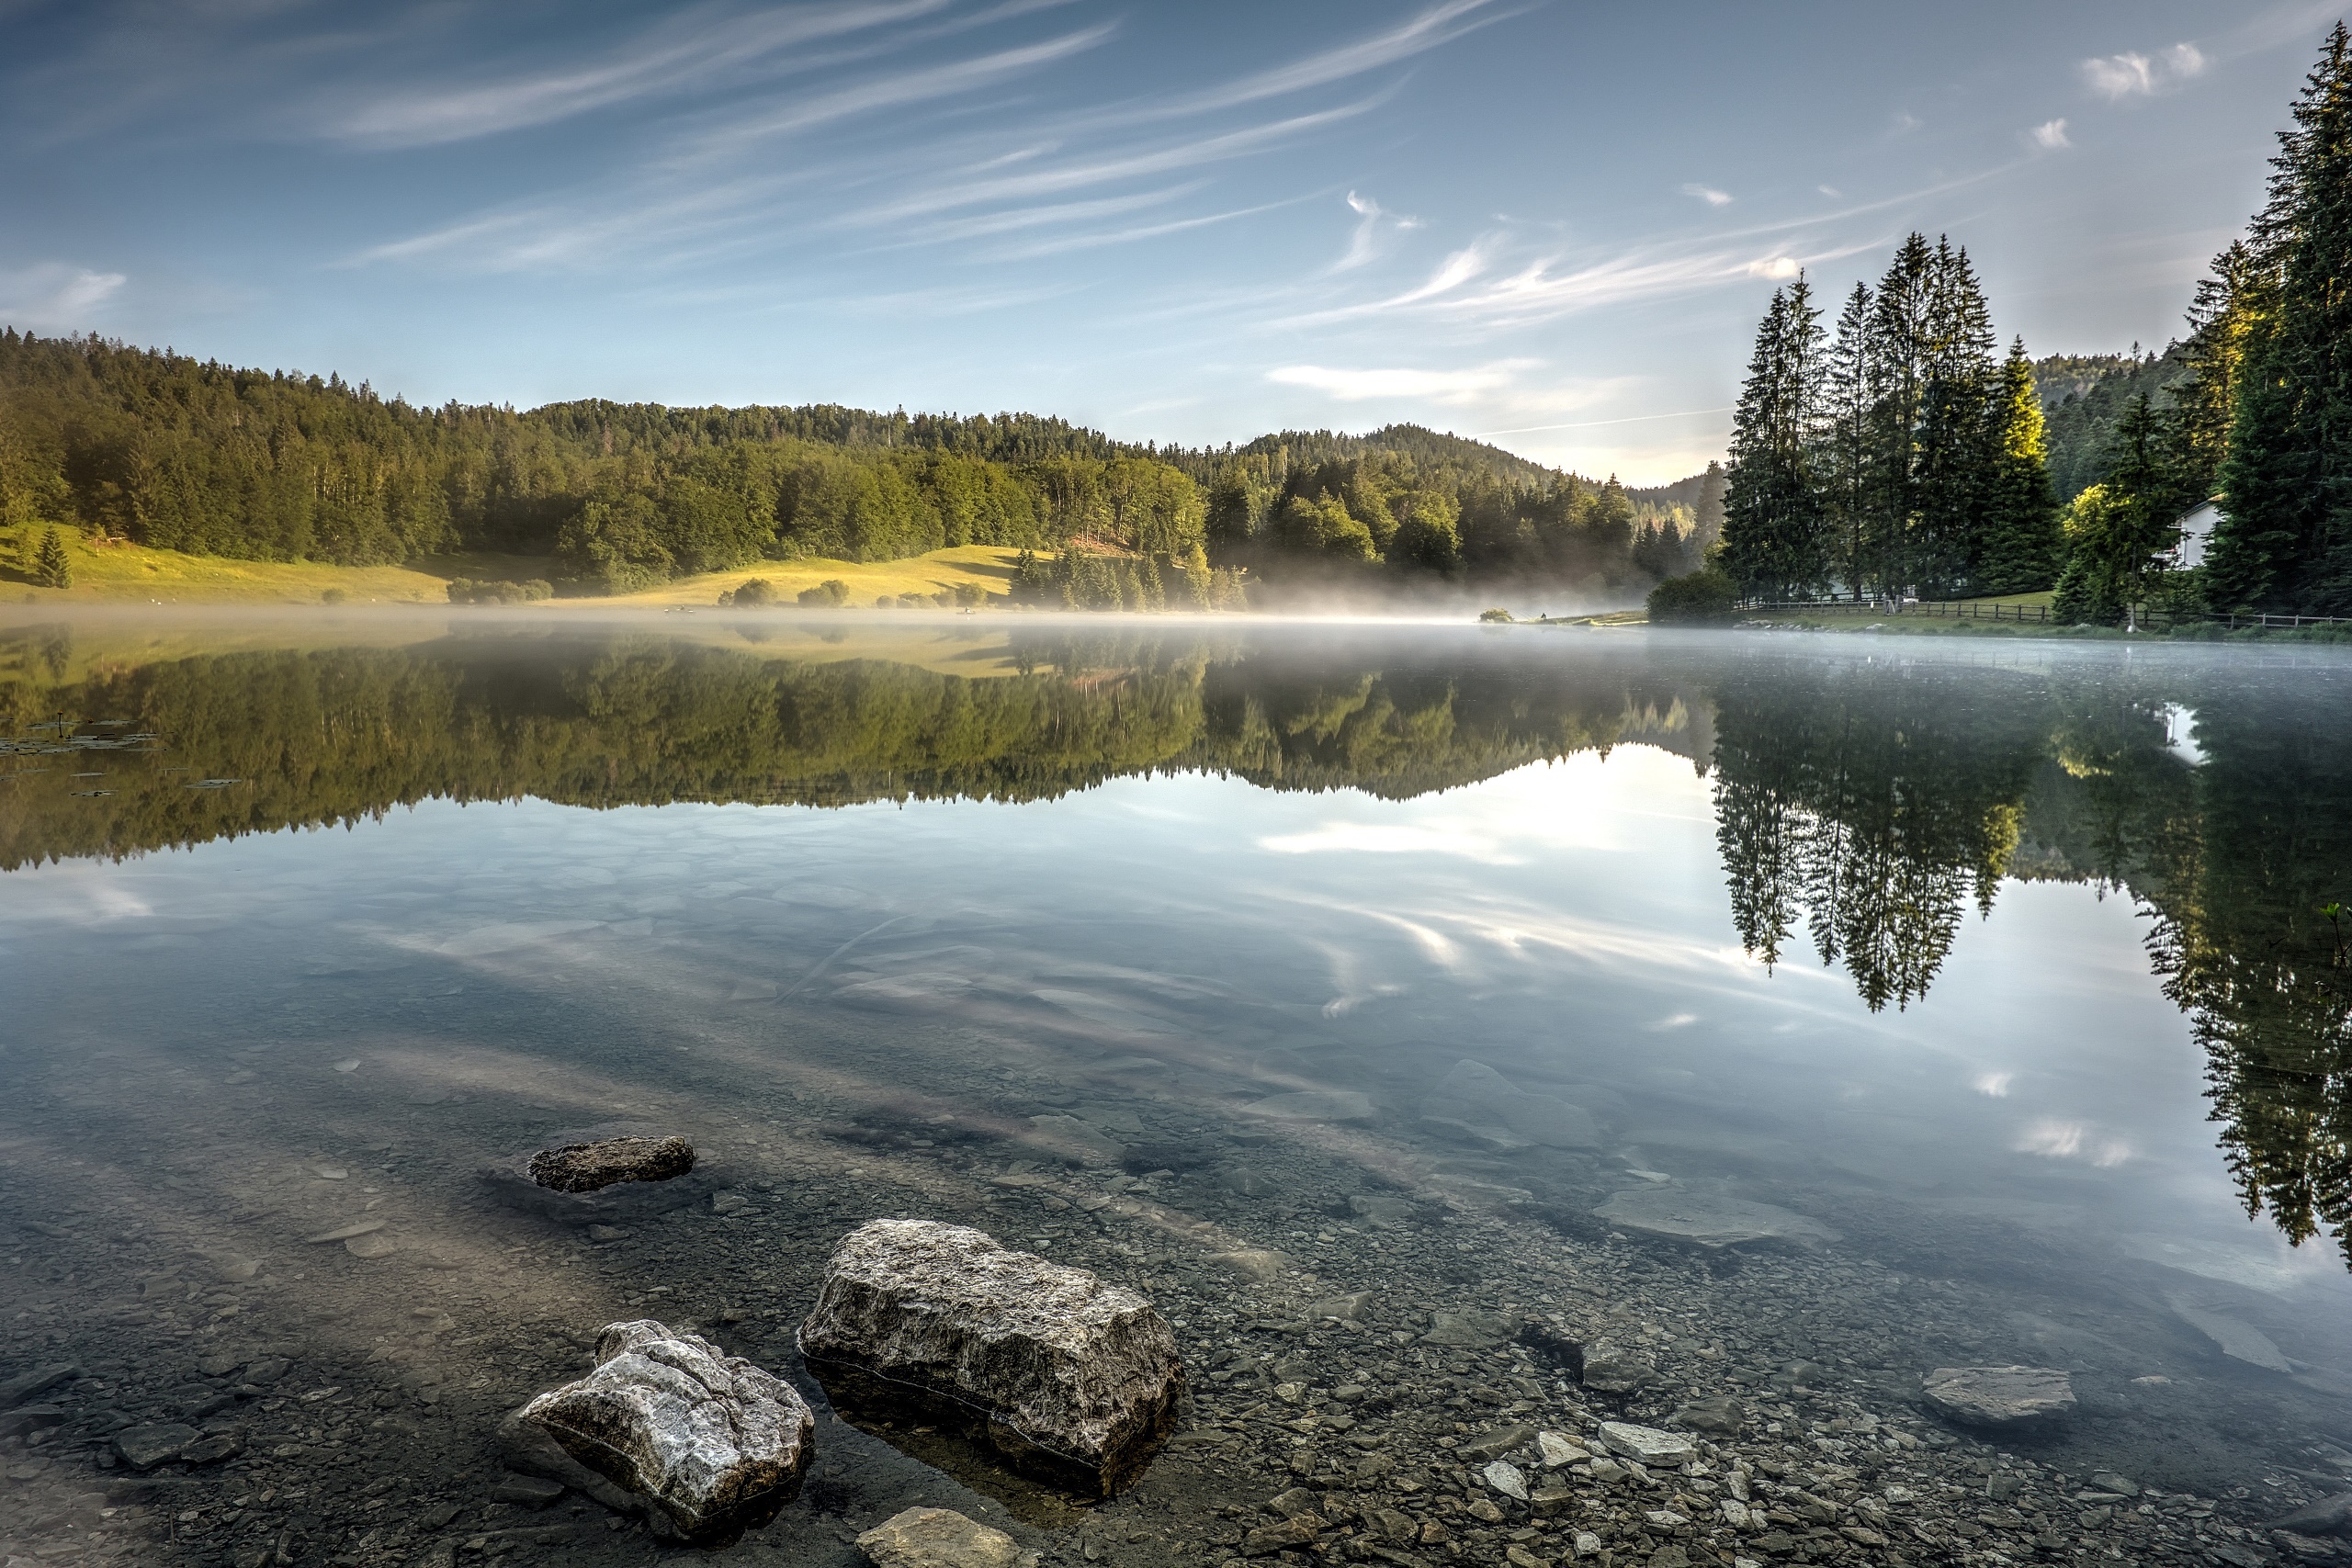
1487,1097
590,1166
528,1449
940,1538
1383,1211
2239,1340
146,1446
30,1418
1065,1376
41,1380
1314,1105
1352,1308
717,1445
1709,1220
347,1232
1494,1442
1469,1329
1073,1142
213,1448
1289,1535
2122,1485
527,1491
1722,1415
1646,1445
1507,1478
1609,1370
1999,1396
1559,1449
2329,1516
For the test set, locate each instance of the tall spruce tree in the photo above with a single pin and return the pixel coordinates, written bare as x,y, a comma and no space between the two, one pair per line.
1958,442
1773,545
2286,542
1901,322
1845,466
2020,551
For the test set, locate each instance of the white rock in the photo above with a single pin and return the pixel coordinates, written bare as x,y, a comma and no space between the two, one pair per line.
1507,1478
1559,1449
1734,1513
713,1441
940,1538
1646,1444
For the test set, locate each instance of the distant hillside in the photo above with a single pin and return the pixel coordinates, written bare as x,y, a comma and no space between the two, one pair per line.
2083,397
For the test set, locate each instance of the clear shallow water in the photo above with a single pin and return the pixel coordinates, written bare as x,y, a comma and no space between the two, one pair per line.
1027,928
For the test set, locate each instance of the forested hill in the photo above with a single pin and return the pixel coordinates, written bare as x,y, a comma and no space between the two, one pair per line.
180,454
2083,397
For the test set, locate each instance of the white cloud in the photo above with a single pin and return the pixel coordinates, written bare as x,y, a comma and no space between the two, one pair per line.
1832,192
1708,194
2051,134
1441,386
2131,74
1363,243
2072,1140
1366,837
53,295
1774,267
1994,1086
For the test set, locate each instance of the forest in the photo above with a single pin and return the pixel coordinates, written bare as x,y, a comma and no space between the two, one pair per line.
1897,453
163,450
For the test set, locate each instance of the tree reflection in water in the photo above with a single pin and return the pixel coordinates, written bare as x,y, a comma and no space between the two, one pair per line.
1870,801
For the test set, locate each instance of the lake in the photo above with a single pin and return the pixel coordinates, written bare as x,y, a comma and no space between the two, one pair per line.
1459,1033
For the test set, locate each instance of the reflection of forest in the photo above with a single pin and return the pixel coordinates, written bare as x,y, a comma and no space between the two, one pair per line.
339,734
1873,803
1863,805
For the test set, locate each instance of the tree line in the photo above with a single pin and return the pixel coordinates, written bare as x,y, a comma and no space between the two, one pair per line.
1897,454
165,450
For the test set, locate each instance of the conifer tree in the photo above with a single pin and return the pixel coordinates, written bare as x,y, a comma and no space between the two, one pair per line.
2019,554
1844,466
1901,325
1958,438
2286,542
1772,536
51,566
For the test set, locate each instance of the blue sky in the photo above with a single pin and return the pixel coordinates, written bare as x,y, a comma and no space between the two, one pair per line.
1551,222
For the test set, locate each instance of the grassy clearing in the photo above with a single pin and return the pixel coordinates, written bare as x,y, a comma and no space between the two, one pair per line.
132,574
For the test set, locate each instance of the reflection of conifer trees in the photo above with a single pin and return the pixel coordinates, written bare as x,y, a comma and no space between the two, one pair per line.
2252,941
1873,805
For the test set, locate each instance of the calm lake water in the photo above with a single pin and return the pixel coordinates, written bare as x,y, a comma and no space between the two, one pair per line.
1989,998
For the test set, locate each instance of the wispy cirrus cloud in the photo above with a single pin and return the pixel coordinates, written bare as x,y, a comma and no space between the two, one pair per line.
1465,385
1708,194
2119,76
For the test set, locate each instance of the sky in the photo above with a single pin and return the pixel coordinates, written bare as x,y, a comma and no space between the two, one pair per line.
1548,224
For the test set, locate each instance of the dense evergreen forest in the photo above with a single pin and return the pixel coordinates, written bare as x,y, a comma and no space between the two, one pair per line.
1899,454
168,451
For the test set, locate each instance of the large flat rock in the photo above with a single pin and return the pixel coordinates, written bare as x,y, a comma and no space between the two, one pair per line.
714,1442
1999,1396
1709,1220
940,1538
1481,1101
1066,1377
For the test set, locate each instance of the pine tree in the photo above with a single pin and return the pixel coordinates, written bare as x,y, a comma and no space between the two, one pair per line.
1844,466
2286,542
2120,528
52,568
1958,440
1773,538
2020,553
1902,320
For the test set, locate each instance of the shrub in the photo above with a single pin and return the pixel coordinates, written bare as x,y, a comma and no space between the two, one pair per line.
970,595
1495,618
1706,595
752,593
333,596
829,595
466,591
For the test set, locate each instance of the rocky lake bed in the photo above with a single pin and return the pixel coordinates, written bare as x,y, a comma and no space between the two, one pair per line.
1407,1334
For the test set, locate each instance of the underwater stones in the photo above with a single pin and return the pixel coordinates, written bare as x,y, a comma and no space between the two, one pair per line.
146,1446
1611,1370
602,1175
940,1538
1646,1444
1313,1105
1724,1415
2329,1516
1709,1220
1067,1378
717,1445
1476,1100
2233,1337
41,1380
1469,1329
1506,1478
1073,1142
587,1166
1999,1396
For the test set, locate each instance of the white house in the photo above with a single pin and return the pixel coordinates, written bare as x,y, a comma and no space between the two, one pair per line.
2195,533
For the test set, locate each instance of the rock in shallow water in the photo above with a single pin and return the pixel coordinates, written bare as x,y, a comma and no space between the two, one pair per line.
585,1167
1068,1378
940,1538
1999,1396
713,1441
1646,1444
1709,1220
